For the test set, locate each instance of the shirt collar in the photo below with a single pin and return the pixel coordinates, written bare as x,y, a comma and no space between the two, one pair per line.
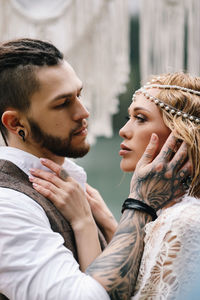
25,161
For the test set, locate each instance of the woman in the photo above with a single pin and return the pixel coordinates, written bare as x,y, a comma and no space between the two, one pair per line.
171,254
168,102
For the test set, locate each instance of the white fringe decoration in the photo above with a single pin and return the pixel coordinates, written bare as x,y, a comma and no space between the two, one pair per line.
193,8
93,35
163,25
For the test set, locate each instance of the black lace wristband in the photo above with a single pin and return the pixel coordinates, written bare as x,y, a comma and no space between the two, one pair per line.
131,203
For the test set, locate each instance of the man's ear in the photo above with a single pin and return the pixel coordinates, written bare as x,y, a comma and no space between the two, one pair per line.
12,121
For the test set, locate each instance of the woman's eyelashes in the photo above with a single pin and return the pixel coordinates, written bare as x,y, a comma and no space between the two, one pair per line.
138,117
127,118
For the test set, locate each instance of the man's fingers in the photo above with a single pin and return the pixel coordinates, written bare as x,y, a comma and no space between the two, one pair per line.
185,174
170,147
179,157
150,150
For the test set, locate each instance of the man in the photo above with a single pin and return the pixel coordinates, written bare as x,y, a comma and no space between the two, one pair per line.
42,116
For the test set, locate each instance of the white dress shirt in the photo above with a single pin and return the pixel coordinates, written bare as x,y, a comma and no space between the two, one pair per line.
34,264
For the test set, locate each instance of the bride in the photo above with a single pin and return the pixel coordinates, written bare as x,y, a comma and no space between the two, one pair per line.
170,102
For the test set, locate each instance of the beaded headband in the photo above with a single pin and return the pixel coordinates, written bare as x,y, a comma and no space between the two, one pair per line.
170,109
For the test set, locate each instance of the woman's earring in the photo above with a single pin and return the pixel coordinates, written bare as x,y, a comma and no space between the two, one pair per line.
22,134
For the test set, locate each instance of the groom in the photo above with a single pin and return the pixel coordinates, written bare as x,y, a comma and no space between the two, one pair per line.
42,116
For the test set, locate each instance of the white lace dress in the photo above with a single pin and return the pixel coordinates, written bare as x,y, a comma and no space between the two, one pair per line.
171,258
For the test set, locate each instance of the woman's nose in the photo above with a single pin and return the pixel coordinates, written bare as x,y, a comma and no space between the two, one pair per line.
125,131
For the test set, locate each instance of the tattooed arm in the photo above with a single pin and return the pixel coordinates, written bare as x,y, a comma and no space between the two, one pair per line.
155,182
118,265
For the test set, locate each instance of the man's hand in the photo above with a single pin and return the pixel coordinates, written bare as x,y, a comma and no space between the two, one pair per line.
157,181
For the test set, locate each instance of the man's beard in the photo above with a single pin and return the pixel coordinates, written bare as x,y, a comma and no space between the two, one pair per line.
56,145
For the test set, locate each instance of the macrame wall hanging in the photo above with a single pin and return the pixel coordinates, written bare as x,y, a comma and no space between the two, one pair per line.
169,37
92,34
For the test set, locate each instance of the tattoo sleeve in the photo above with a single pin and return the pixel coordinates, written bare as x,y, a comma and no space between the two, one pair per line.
155,182
117,267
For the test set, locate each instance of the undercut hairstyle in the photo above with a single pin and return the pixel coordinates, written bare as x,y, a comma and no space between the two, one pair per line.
19,61
185,129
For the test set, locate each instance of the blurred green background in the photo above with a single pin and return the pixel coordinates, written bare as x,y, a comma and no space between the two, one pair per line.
102,162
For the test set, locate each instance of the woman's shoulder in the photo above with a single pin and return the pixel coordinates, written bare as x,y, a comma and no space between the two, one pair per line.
186,210
172,250
179,219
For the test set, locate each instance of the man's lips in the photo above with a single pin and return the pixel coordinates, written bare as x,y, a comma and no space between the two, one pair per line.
81,131
124,150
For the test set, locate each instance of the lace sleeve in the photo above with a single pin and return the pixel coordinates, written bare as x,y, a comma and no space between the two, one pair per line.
171,256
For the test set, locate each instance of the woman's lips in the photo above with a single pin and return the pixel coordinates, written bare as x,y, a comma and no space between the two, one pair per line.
124,150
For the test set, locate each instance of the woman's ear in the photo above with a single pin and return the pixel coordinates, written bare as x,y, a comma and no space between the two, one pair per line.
12,121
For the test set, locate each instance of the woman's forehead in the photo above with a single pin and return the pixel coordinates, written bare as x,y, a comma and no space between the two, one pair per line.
141,101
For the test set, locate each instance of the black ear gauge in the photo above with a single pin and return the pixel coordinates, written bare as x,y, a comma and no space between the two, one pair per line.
22,134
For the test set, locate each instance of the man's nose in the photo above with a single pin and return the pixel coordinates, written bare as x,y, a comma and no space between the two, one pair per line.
81,111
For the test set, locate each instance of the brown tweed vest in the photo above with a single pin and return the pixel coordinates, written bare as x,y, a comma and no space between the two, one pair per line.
14,178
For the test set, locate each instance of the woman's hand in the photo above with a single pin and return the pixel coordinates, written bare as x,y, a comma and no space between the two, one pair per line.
70,199
67,196
101,213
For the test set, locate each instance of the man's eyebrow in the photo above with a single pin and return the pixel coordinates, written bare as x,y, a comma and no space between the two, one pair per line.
62,96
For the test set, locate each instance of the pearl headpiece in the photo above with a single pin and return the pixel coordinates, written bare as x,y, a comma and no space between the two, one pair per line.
170,109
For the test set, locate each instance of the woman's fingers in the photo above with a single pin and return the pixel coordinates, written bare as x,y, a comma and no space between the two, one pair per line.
51,165
48,176
57,169
51,177
45,188
67,199
91,191
64,192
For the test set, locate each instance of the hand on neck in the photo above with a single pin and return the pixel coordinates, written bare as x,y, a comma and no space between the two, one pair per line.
35,150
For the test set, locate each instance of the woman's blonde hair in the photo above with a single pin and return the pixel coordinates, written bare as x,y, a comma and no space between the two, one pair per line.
186,129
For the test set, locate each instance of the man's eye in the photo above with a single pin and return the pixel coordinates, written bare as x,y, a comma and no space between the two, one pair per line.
65,103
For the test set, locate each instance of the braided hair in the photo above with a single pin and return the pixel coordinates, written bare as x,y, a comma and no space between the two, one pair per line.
19,60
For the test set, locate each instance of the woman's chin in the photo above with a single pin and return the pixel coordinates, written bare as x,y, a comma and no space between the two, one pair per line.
126,167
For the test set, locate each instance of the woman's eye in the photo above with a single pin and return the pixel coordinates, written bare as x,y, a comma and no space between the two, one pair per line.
140,118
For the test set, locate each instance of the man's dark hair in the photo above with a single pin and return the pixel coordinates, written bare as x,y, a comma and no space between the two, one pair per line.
19,60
